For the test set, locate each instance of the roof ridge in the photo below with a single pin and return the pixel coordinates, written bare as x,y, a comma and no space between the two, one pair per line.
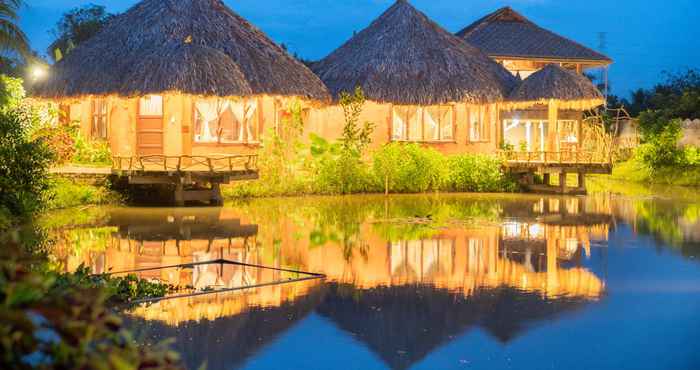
508,15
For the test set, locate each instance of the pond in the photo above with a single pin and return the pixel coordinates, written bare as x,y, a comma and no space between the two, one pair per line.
421,282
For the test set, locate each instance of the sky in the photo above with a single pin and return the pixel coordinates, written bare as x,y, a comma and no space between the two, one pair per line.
643,37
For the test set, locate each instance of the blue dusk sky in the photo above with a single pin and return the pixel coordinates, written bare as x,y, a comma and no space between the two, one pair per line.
643,37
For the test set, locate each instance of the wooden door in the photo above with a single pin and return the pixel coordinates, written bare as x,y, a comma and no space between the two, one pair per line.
149,126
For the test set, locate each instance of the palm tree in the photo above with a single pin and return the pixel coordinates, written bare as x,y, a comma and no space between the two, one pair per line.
12,39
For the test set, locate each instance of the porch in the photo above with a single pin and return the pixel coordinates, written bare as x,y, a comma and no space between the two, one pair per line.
527,164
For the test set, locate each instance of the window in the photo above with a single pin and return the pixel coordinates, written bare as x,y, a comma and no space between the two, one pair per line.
223,121
419,124
480,118
98,128
525,135
151,106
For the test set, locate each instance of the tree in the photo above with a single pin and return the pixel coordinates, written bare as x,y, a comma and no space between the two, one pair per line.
24,159
677,97
77,26
355,137
12,39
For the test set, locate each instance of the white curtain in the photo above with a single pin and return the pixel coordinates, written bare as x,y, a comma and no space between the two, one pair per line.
251,109
209,111
431,126
239,114
398,127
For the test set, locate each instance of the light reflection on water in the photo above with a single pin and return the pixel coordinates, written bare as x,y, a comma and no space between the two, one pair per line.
407,278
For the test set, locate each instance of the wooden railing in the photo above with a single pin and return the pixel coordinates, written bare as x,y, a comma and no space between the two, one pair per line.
186,163
566,157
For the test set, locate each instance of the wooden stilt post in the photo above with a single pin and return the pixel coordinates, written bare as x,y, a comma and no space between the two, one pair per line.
179,194
216,198
562,182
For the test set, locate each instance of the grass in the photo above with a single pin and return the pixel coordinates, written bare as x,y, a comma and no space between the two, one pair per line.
67,194
635,171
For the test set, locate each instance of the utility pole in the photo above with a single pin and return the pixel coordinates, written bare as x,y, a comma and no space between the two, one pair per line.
602,46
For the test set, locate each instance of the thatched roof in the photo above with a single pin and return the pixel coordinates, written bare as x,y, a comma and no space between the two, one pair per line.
405,58
506,33
405,324
555,82
198,47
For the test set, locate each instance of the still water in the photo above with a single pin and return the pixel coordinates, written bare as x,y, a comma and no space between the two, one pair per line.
411,282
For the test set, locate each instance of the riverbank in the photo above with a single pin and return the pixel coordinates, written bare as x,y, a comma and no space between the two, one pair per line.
635,171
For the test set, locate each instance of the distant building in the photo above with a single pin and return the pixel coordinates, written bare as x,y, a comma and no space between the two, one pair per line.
523,47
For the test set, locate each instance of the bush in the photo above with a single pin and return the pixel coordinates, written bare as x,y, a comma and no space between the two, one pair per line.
335,170
24,163
662,151
90,152
50,321
61,141
477,173
66,194
409,168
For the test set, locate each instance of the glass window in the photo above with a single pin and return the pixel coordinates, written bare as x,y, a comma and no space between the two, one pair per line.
479,118
98,128
151,106
415,124
226,122
434,123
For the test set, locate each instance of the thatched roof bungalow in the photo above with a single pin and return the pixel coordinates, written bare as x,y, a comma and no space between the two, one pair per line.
523,47
552,101
191,77
178,77
425,84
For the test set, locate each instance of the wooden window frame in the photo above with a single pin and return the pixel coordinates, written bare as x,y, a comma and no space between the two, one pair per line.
258,129
485,123
162,107
422,109
104,104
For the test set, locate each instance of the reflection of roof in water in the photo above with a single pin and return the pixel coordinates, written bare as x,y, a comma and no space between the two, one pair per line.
402,325
187,224
225,329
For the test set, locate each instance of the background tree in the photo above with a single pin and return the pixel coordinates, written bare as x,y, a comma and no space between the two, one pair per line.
77,26
12,39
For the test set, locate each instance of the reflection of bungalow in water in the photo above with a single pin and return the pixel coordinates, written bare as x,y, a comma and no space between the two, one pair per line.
225,329
524,253
191,77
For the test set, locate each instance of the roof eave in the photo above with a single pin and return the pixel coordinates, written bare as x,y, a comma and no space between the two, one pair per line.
604,62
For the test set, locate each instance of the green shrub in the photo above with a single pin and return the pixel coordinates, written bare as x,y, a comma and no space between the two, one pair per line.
477,173
52,321
409,168
24,163
66,194
661,149
341,174
91,152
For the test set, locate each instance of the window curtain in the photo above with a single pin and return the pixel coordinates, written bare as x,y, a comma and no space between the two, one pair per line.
432,128
398,126
251,110
415,124
209,112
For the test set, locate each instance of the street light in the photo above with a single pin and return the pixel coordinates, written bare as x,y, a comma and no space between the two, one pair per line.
38,72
